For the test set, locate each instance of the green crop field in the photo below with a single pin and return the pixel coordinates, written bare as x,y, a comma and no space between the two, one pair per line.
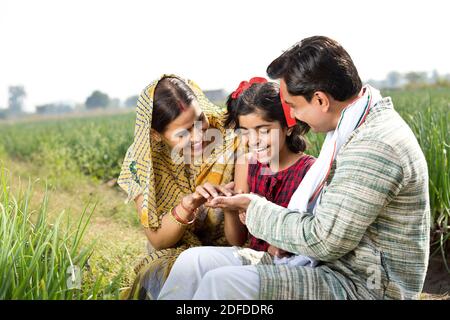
79,158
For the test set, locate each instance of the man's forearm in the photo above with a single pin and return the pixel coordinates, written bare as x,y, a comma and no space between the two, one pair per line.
279,226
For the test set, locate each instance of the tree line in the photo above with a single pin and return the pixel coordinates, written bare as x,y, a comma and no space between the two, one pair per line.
96,100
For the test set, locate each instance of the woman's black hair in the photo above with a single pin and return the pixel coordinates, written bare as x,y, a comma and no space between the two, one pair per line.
265,98
317,64
171,97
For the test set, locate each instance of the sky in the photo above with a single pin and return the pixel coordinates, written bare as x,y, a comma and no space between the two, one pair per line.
62,50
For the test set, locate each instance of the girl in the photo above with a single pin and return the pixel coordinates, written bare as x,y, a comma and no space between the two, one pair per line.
275,164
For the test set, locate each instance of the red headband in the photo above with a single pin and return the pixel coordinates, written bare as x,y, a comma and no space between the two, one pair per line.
291,121
244,85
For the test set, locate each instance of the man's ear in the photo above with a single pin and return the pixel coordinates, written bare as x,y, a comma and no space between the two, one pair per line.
321,99
154,135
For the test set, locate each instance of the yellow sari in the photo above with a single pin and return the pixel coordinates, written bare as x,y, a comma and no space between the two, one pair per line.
150,169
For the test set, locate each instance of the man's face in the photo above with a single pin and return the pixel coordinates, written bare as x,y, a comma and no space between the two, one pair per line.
314,113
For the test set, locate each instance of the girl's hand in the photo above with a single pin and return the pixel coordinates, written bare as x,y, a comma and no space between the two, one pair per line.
239,202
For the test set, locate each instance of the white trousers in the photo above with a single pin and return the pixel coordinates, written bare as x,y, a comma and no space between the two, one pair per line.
211,273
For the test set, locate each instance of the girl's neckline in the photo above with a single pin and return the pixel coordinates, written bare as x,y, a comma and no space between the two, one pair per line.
285,169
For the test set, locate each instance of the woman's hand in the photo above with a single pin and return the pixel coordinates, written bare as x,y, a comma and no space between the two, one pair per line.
205,193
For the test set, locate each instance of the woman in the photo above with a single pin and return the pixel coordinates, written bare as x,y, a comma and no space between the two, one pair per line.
169,175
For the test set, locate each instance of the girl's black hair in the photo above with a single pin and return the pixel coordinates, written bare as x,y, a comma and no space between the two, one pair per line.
265,98
171,97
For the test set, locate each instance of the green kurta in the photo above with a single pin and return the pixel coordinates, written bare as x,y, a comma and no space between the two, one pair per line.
370,229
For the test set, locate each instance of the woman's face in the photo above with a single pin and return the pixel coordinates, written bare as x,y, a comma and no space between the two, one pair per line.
187,130
264,138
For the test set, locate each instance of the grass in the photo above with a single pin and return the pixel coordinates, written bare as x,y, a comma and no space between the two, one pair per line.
40,243
38,260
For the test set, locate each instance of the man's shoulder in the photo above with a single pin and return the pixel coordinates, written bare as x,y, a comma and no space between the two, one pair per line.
388,137
385,127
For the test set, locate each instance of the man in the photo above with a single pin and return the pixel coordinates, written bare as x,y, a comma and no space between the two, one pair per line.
362,210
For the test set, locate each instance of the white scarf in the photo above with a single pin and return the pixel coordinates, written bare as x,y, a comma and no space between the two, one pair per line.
310,189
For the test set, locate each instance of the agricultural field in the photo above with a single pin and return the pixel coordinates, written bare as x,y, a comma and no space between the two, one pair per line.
62,218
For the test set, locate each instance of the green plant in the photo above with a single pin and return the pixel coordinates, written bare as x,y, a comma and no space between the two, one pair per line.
43,260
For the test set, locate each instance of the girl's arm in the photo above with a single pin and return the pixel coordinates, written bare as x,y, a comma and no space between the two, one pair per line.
235,231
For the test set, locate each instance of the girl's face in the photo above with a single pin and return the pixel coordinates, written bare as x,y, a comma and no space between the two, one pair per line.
264,138
187,130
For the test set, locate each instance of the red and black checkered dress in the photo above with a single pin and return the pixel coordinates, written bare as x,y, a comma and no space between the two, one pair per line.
277,188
